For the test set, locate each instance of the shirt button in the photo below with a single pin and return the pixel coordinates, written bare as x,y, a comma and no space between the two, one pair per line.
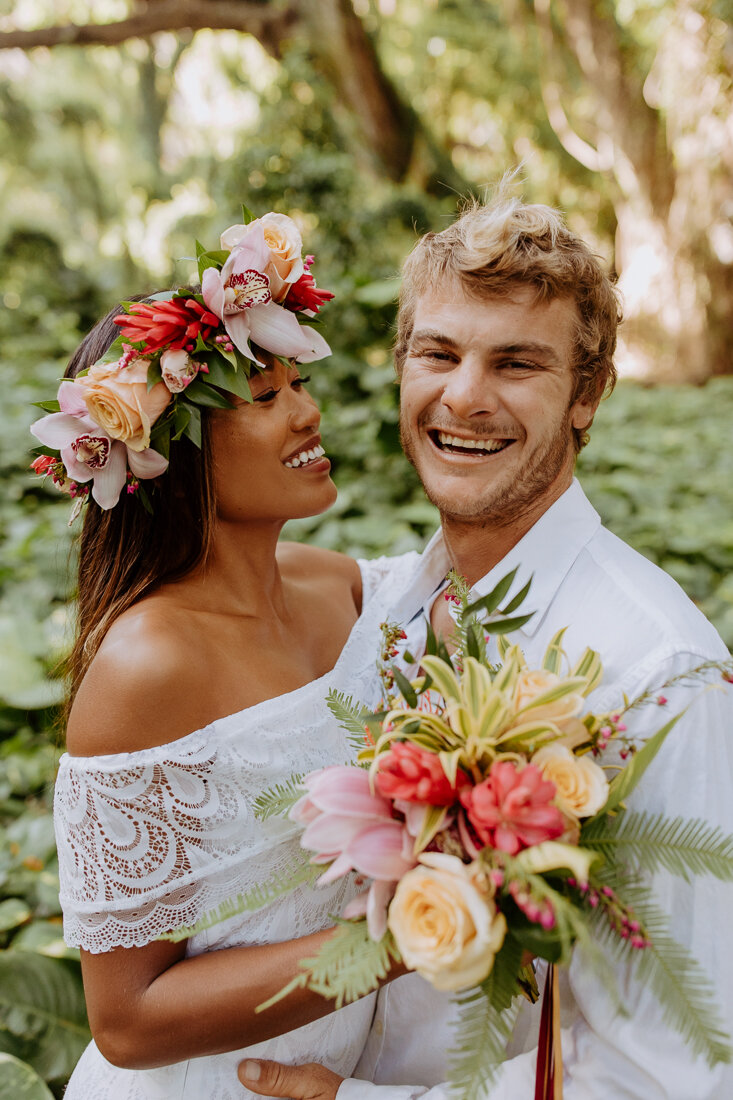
378,1028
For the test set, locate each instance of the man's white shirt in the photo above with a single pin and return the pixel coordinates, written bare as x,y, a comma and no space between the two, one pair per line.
647,631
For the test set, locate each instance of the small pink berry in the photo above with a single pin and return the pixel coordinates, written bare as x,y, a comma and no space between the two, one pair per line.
219,339
633,925
572,882
547,918
661,700
624,753
728,677
497,877
621,728
638,942
607,891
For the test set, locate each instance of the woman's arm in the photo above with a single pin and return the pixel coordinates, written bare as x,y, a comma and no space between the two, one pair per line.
151,1006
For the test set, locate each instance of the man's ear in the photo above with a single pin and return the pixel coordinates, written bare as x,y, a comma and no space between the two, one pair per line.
583,411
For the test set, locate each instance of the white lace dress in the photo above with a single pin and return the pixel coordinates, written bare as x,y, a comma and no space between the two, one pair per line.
152,840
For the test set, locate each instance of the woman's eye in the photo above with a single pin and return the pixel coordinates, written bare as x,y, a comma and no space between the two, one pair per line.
303,380
264,398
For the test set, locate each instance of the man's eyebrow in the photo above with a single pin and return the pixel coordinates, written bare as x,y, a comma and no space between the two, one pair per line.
428,335
527,347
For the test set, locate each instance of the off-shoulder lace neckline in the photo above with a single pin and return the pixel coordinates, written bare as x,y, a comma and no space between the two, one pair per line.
264,707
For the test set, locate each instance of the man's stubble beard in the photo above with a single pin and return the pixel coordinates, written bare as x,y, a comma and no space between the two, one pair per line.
505,504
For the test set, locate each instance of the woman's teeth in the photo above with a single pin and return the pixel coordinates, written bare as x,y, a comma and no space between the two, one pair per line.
485,445
305,457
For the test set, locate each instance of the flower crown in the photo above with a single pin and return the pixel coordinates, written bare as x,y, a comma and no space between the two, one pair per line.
177,353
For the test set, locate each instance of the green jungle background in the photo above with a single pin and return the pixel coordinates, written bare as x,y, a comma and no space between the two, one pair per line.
367,121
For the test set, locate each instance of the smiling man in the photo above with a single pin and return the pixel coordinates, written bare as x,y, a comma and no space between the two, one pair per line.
506,333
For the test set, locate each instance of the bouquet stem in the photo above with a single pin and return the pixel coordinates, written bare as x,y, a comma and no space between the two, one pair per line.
548,1082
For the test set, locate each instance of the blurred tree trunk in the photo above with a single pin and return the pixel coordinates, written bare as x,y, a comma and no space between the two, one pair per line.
383,127
663,138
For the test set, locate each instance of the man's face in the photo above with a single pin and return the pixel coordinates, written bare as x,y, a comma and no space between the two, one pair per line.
486,410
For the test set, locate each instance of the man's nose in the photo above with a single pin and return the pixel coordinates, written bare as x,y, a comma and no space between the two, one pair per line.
470,390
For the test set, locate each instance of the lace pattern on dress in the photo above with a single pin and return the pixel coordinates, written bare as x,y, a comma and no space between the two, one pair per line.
153,840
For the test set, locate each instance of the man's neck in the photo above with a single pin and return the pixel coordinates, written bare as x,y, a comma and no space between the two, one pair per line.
475,547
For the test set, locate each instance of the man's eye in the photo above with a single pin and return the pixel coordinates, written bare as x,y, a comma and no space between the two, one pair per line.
436,355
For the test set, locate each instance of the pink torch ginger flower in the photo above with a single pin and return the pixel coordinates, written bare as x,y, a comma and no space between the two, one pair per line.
88,452
512,808
415,775
352,828
240,295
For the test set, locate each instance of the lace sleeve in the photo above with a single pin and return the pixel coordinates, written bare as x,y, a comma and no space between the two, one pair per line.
376,573
152,840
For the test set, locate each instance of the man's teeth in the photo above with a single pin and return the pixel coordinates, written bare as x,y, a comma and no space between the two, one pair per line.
487,445
305,457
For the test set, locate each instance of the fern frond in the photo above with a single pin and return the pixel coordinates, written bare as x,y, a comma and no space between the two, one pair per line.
685,993
349,965
277,800
685,847
350,716
486,1020
298,874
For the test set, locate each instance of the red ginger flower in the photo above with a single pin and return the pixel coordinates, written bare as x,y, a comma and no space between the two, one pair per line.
44,464
304,294
415,775
171,324
512,808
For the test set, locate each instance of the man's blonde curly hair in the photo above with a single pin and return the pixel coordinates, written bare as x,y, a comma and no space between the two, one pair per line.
494,247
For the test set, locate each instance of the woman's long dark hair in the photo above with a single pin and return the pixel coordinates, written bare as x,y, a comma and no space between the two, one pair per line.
125,552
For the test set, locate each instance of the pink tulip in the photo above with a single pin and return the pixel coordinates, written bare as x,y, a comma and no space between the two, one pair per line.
373,904
88,452
351,827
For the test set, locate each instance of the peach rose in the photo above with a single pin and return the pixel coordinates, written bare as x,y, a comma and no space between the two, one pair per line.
445,922
285,243
581,786
118,400
532,683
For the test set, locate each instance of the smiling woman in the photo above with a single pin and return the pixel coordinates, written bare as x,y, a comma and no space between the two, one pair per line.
205,651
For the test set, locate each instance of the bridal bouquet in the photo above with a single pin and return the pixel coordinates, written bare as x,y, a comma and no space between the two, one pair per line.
487,824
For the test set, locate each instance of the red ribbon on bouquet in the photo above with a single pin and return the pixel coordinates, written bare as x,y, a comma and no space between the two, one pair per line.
548,1081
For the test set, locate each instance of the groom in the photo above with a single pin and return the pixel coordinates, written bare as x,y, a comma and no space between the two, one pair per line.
506,333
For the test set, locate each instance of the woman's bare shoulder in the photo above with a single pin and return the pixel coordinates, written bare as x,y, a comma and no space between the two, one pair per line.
144,685
299,562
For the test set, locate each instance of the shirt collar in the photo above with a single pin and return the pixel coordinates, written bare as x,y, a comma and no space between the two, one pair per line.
546,553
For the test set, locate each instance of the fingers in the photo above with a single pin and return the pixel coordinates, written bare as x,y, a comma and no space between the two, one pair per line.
309,1082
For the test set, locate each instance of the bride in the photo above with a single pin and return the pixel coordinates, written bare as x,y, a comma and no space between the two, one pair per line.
204,654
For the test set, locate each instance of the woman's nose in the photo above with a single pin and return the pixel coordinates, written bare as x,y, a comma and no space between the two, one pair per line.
306,413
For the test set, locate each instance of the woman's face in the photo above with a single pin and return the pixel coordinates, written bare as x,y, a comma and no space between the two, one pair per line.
268,459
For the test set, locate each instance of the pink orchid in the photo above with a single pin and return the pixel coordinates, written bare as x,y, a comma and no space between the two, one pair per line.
88,452
512,808
352,828
240,295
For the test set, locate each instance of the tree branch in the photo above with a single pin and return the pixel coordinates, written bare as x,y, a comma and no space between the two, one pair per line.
597,159
268,23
